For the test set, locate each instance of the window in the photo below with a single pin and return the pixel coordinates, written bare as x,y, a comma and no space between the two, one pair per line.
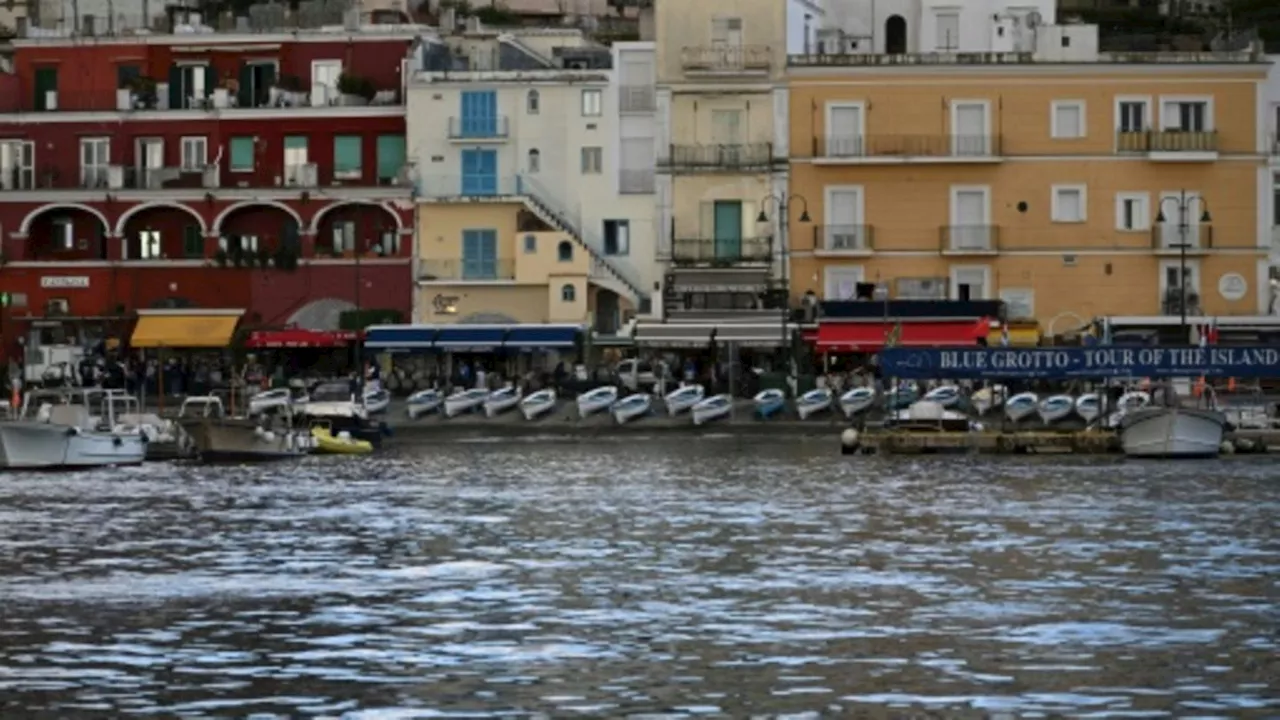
391,159
1185,115
95,155
1275,201
564,251
1069,203
532,102
948,29
17,164
241,154
726,31
479,254
1172,284
592,160
1133,115
192,242
840,282
530,244
592,103
388,242
344,237
535,162
64,234
843,228
346,156
971,128
1133,212
195,153
1068,119
1020,303
295,160
617,237
970,282
568,293
149,245
846,129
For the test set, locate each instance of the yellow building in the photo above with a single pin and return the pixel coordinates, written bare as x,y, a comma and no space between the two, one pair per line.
1040,183
496,263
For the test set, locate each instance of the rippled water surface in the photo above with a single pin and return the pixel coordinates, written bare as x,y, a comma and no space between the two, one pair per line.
642,577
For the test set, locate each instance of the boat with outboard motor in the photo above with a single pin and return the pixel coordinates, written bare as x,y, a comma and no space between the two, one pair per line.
335,403
216,438
55,430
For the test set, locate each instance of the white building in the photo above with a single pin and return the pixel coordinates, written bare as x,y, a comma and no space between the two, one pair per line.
1269,205
923,26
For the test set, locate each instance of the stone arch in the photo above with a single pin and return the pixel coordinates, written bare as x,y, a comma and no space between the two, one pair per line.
320,315
127,214
25,227
222,216
315,220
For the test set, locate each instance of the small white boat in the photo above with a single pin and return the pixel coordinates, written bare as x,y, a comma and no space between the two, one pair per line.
376,400
713,408
500,401
464,401
1088,406
1055,408
1170,432
986,399
270,400
769,402
813,402
1128,402
683,398
593,401
1021,406
930,415
945,395
424,402
536,404
857,400
631,407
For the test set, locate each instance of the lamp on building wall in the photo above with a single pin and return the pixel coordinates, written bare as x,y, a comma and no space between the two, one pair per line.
1184,201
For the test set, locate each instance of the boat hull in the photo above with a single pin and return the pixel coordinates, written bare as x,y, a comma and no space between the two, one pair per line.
240,442
454,408
811,404
500,405
45,446
624,412
1162,432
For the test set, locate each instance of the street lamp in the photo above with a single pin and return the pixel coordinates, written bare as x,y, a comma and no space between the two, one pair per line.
1184,203
783,203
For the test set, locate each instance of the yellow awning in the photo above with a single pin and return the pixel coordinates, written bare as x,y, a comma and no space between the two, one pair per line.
208,329
1018,337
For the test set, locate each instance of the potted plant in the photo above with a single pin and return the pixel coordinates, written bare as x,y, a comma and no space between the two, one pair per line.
143,90
221,257
355,90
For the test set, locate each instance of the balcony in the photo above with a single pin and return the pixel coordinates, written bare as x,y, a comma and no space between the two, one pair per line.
906,149
220,99
843,239
726,60
163,178
720,252
636,99
479,129
1168,239
969,239
720,158
467,270
1170,145
635,182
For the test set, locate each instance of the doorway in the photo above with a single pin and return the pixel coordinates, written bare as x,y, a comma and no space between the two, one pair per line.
895,35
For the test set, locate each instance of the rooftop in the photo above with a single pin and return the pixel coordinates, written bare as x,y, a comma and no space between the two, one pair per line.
1024,58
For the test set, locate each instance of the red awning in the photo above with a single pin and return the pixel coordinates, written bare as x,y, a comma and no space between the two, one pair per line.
300,338
869,337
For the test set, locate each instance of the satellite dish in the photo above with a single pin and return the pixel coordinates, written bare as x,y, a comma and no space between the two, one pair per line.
1034,18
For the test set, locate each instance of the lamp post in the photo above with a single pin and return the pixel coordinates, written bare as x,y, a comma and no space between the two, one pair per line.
783,203
1184,202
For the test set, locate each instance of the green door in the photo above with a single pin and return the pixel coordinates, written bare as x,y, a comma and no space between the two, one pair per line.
46,81
728,219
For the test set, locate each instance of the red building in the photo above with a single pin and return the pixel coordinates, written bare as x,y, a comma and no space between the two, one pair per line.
251,171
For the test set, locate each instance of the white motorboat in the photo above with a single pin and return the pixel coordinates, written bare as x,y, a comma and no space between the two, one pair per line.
424,402
631,407
536,404
1055,408
334,400
464,401
683,398
501,400
945,395
713,408
986,399
930,415
52,433
857,400
769,402
595,400
1128,402
1171,432
813,402
270,400
1022,406
1089,406
376,399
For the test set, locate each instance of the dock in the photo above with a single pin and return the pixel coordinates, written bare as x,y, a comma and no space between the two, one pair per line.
878,441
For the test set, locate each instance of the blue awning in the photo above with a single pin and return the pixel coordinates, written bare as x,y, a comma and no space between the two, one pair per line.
474,338
533,337
400,337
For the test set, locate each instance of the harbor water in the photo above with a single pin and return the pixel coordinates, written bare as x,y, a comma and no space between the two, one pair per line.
643,576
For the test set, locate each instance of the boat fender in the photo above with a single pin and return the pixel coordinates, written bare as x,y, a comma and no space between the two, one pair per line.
117,441
1228,448
72,432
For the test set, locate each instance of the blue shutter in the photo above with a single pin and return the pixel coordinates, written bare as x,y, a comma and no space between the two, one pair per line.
489,171
479,114
489,253
479,172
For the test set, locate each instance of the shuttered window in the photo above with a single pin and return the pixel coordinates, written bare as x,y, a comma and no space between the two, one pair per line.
346,156
241,154
390,158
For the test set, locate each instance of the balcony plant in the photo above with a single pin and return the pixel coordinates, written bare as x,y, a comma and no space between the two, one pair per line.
143,89
356,90
285,258
221,258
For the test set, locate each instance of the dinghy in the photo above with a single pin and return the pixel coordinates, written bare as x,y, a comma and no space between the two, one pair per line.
537,404
945,395
423,402
683,398
1055,408
270,400
713,408
464,401
593,401
769,402
1131,401
904,396
987,399
857,400
1021,406
631,407
500,401
1088,406
376,400
926,415
813,402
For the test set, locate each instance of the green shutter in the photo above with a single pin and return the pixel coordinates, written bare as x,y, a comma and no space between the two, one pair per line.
295,142
244,93
390,157
241,154
346,154
210,80
192,241
46,80
175,87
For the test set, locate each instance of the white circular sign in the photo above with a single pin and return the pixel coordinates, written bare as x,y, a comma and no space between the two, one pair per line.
1232,287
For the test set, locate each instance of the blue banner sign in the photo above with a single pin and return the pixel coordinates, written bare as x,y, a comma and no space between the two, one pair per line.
997,363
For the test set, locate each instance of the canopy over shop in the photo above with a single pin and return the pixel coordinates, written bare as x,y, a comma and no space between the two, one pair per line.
678,335
300,338
471,338
185,329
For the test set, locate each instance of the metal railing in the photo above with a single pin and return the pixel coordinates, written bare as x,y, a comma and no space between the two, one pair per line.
636,98
843,238
720,157
467,270
1169,141
125,100
1170,237
902,146
495,127
721,251
969,238
635,182
726,59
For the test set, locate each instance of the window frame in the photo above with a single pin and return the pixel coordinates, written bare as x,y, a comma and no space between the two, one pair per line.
1056,130
187,141
592,102
231,166
589,151
1145,199
349,173
1055,215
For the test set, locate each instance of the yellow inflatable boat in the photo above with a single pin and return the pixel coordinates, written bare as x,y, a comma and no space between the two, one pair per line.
341,444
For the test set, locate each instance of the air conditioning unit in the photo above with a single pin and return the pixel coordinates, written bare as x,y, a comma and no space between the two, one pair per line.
57,306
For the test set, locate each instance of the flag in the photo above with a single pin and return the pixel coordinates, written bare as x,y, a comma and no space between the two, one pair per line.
894,336
1004,334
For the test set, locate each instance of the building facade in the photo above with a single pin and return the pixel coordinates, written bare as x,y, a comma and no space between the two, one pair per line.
924,26
264,172
1269,118
535,133
1067,183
